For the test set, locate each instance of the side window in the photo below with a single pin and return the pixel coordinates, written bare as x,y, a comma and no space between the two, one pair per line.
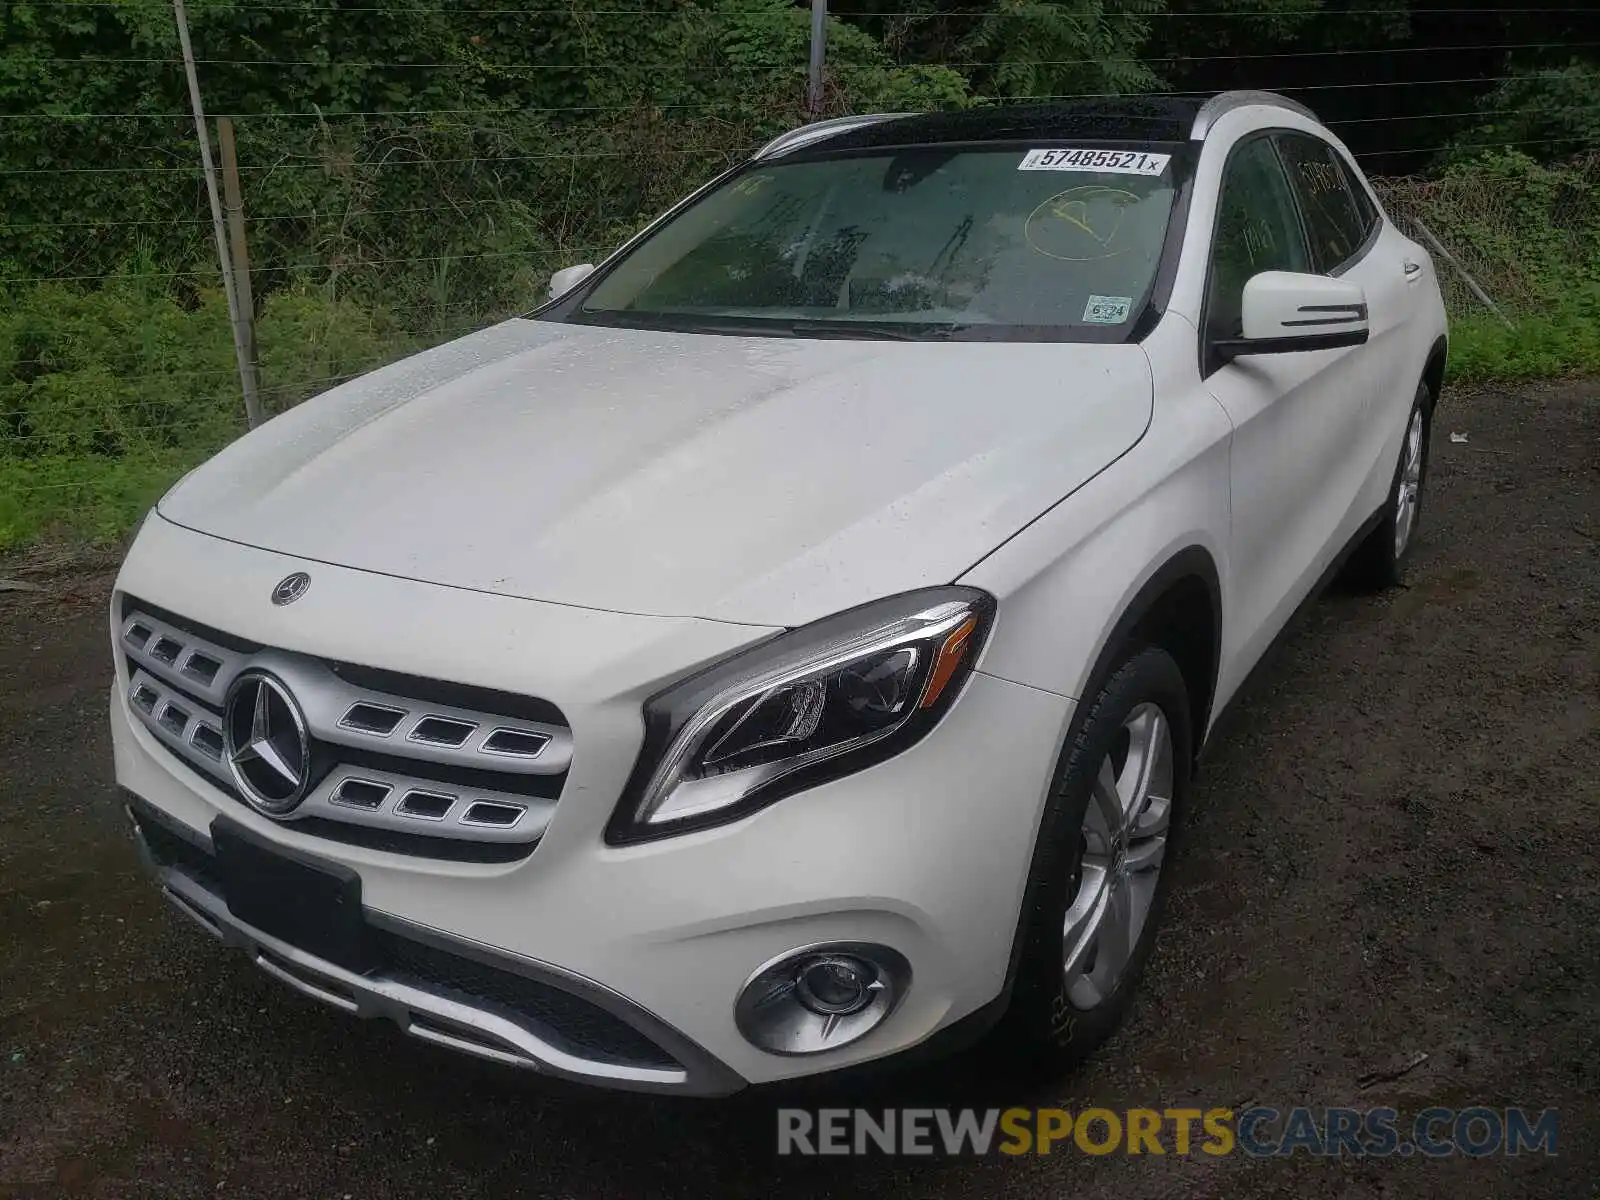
1335,222
1257,230
1364,204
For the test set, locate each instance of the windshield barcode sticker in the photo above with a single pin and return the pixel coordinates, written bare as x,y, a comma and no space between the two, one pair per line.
1116,162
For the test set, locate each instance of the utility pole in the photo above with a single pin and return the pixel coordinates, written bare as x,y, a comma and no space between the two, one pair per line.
252,402
819,45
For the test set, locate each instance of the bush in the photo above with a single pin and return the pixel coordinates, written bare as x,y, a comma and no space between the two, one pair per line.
108,396
89,497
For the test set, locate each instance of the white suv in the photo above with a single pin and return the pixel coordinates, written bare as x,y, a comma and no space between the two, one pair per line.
793,642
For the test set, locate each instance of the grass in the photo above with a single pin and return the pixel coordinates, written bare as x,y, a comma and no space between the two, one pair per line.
84,498
1563,339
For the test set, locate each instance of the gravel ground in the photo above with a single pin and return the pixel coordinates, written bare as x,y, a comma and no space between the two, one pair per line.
1390,854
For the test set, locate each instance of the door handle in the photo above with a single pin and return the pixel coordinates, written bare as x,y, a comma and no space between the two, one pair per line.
1412,269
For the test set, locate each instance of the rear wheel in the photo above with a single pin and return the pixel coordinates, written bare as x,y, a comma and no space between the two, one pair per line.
1381,560
1098,885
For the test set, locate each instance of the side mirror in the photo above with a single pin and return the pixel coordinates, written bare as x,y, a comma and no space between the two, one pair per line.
1284,312
564,280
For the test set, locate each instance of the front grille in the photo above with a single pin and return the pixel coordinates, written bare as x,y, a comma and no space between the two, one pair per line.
396,762
566,1020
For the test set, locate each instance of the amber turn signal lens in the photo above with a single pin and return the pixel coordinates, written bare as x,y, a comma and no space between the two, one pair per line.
951,654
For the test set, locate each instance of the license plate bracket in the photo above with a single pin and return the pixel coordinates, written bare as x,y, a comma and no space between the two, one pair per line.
310,903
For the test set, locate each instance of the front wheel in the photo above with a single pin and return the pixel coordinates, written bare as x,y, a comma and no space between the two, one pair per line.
1098,884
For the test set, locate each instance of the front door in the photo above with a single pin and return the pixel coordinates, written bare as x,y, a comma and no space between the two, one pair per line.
1349,238
1296,459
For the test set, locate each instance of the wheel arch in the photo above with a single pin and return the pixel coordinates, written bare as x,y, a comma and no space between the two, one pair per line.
1433,372
1178,607
1188,575
1180,610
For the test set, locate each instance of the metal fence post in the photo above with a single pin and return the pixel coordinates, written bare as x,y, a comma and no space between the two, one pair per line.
233,198
1472,284
252,402
819,43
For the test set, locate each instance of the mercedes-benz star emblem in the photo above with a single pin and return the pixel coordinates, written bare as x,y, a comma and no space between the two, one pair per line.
264,735
290,588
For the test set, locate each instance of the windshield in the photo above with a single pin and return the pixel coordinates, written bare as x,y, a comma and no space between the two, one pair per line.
932,241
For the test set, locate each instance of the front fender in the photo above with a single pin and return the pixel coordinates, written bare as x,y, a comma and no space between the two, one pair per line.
1068,583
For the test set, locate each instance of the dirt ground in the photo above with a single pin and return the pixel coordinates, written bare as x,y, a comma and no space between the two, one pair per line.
1391,853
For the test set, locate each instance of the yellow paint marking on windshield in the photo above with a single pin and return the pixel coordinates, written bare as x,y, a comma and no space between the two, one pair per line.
1089,213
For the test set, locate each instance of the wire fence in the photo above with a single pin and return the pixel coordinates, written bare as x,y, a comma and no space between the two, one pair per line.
374,232
1508,235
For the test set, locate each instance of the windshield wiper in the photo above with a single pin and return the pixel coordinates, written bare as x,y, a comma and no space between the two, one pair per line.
898,331
712,322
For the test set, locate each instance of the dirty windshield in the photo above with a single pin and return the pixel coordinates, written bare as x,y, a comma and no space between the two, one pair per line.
929,242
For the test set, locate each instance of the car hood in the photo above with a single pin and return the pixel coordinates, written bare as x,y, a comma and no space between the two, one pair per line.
761,480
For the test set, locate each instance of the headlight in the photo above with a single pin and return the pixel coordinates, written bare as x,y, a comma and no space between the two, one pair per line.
808,705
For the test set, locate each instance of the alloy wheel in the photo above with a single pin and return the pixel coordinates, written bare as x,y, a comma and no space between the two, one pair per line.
1409,491
1124,842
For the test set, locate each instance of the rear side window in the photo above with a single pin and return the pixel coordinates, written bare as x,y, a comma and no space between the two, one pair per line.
1337,223
1367,210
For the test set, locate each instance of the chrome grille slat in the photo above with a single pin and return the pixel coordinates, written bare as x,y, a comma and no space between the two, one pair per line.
206,740
425,806
514,743
174,718
365,794
202,724
399,747
200,666
165,650
491,814
533,813
441,732
378,720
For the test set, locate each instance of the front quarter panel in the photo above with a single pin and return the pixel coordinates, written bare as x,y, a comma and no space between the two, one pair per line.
1065,581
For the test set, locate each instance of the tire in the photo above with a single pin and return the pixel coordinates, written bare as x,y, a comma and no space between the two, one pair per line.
1380,561
1070,992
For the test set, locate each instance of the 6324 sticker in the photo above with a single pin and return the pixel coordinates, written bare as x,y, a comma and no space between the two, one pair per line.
1107,310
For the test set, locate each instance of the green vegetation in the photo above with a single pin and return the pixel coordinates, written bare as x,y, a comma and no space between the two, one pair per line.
412,170
1529,233
1563,339
116,392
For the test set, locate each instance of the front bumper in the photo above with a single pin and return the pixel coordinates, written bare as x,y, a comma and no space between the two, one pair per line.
521,1013
927,853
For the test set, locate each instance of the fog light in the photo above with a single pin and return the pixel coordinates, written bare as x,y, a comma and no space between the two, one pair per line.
821,997
835,984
